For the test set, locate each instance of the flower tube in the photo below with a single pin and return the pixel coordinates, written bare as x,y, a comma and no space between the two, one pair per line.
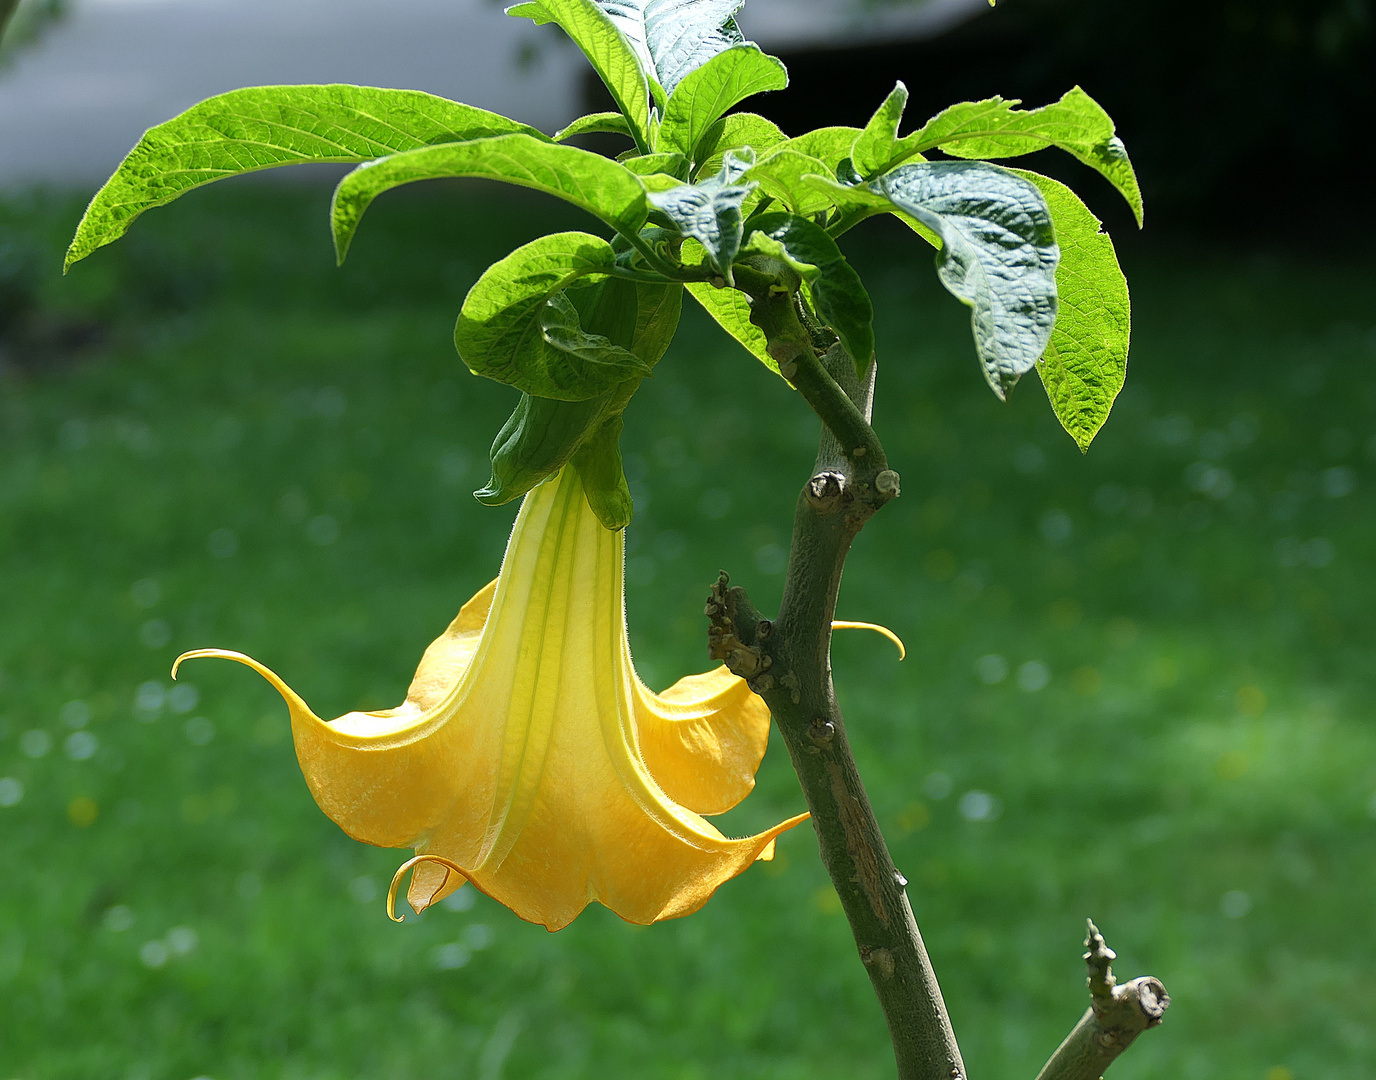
529,758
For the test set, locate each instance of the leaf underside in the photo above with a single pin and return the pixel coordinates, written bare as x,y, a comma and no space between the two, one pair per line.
672,37
998,255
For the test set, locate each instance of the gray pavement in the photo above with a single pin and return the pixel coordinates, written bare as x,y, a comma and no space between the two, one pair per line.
72,105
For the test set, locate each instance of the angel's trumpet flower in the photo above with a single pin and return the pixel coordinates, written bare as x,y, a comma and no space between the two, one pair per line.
529,759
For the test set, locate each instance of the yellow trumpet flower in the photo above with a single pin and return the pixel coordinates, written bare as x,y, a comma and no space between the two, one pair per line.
528,757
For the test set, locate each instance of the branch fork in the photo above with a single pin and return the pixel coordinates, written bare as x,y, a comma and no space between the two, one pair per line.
1117,1014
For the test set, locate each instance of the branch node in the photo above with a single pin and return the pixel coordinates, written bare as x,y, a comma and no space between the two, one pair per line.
762,683
824,491
743,657
790,683
880,959
887,484
821,731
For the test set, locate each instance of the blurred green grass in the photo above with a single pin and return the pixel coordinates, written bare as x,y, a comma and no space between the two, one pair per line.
1138,685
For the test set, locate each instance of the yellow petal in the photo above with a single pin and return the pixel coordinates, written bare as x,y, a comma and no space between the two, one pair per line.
529,756
883,630
703,739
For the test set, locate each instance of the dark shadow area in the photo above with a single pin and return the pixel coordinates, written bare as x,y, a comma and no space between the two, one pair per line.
1244,119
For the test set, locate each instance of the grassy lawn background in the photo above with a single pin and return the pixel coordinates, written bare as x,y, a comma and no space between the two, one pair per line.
1138,687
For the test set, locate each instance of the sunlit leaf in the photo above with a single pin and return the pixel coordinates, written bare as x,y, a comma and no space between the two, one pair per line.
780,174
708,91
608,50
830,145
673,164
601,187
610,123
519,328
264,127
995,128
1086,361
739,131
874,147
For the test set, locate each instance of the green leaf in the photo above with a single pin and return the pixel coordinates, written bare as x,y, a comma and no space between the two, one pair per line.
596,360
780,174
611,55
609,123
739,131
519,328
874,147
994,128
542,435
674,165
532,10
710,212
838,294
998,255
598,461
708,91
601,187
731,309
657,311
674,37
1086,362
829,145
267,126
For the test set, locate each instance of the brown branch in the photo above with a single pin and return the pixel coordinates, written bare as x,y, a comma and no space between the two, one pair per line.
787,661
1116,1016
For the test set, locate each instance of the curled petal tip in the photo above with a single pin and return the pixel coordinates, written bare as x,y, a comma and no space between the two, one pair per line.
292,699
401,873
902,651
196,654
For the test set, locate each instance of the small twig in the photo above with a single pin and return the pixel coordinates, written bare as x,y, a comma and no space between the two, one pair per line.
1116,1016
830,402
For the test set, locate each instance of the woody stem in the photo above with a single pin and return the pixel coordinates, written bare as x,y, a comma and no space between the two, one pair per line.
787,661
